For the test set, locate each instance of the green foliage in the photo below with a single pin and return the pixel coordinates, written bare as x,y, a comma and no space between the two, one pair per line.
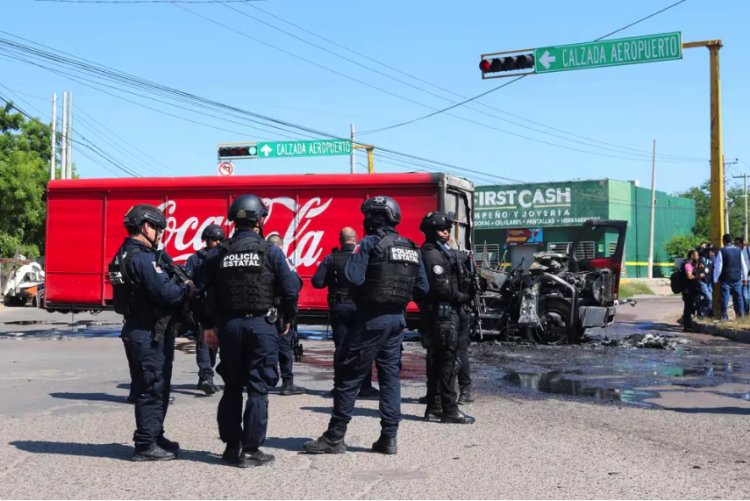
702,196
679,245
24,171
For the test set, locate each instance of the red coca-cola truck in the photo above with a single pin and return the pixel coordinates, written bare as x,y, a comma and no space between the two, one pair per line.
84,222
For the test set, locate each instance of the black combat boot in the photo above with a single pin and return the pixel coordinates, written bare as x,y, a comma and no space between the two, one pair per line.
232,454
254,458
153,453
206,384
457,418
289,388
433,415
168,445
369,392
465,398
385,445
324,445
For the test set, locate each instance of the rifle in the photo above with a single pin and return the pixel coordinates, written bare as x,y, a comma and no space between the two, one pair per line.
476,295
182,320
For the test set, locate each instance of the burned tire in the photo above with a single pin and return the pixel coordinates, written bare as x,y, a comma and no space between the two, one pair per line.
554,316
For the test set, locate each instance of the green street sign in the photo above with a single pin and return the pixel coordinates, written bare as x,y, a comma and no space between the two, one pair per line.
314,148
645,49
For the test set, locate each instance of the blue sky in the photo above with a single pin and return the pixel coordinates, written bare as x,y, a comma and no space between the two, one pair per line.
601,122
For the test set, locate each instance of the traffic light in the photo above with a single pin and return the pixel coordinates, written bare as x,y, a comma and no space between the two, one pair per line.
507,63
238,151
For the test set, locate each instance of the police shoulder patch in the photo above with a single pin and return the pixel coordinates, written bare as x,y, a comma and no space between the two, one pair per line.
356,249
437,269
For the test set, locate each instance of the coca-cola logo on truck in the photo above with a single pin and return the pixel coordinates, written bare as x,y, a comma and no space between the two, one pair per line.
291,221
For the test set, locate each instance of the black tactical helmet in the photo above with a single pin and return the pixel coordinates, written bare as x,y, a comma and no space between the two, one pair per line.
247,208
142,213
434,221
213,232
382,209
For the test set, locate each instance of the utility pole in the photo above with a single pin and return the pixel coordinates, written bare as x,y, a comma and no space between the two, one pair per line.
744,183
726,197
353,159
653,212
53,139
64,137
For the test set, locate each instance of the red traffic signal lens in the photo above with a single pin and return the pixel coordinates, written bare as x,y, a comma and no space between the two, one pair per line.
485,65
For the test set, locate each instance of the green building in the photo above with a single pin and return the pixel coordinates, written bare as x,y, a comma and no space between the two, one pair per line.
513,221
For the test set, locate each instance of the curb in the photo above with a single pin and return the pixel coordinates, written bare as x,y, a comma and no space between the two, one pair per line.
733,334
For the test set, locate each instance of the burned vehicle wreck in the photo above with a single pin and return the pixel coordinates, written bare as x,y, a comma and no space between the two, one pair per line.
559,295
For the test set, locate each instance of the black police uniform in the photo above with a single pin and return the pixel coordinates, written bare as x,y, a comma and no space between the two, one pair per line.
385,271
331,273
205,356
464,332
155,296
286,350
445,320
247,272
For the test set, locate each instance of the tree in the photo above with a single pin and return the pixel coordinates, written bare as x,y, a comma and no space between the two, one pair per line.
679,245
24,157
702,196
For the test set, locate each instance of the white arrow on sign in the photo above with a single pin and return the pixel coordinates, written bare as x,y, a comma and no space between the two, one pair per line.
546,59
265,150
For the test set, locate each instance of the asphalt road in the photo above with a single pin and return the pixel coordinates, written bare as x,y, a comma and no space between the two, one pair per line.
66,428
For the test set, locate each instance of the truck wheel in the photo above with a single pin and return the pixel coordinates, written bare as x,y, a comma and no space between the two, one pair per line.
554,316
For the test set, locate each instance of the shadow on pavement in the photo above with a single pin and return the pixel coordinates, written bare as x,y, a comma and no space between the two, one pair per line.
737,411
114,451
100,397
362,411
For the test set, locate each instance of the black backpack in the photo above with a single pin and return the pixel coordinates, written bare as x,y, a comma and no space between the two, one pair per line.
677,280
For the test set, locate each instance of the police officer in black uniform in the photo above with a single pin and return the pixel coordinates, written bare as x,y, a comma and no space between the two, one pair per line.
205,355
146,296
245,272
385,271
445,312
286,345
331,274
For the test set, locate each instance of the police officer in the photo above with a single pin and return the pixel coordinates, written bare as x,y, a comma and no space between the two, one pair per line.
144,294
286,341
331,274
245,273
385,271
445,313
205,355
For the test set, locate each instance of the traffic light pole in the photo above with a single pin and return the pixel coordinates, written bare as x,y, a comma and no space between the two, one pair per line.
717,166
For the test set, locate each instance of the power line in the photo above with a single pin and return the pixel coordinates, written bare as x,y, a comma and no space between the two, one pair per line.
642,156
407,122
450,92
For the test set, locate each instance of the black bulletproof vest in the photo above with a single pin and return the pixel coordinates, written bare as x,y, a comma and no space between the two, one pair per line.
339,290
391,272
731,263
244,281
124,287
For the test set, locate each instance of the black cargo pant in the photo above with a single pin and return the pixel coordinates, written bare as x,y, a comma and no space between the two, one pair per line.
286,356
249,357
152,362
342,322
205,357
462,358
442,341
376,336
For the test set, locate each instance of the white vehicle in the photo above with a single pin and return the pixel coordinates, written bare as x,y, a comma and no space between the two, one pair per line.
24,283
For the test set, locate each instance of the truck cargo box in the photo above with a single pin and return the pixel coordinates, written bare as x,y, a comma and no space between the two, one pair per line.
85,222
